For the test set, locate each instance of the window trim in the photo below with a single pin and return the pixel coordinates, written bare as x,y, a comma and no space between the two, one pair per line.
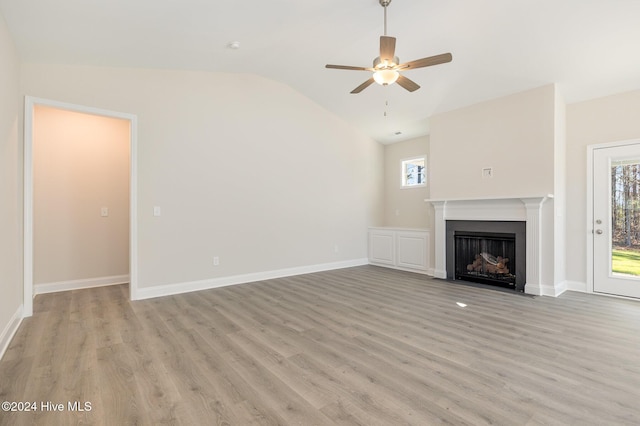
403,161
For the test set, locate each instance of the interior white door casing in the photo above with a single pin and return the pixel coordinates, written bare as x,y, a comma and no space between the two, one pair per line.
30,103
603,279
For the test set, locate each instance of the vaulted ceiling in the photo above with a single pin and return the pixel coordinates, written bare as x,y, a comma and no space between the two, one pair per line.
588,47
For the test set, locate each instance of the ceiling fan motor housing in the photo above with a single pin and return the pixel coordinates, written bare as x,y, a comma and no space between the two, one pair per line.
378,64
385,3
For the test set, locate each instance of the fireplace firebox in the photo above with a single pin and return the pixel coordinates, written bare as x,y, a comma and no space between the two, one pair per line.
484,257
487,252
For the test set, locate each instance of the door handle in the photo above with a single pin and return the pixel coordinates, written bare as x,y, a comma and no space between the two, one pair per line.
599,231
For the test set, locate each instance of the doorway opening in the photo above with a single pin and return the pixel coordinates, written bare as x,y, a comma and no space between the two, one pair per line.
34,108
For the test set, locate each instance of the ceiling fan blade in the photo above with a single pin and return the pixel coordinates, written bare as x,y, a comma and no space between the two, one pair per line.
387,48
363,86
348,67
410,85
426,62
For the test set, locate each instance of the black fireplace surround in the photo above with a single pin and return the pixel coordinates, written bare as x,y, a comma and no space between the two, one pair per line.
487,252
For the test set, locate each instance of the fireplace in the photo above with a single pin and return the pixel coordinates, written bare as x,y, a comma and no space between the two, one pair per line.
487,252
534,266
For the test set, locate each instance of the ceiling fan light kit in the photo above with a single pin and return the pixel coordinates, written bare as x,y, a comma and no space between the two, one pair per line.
386,67
386,76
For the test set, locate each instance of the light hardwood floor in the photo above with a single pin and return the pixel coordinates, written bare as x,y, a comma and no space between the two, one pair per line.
358,346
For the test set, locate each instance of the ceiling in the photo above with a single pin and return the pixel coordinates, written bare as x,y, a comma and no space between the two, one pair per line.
590,48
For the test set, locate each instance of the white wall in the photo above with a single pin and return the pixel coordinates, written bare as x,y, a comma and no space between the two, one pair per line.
609,119
574,126
560,191
10,189
514,135
80,164
521,138
243,168
405,207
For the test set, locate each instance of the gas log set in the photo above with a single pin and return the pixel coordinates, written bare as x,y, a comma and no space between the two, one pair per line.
489,264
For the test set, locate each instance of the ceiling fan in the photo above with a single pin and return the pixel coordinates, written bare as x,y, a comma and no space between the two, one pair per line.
386,67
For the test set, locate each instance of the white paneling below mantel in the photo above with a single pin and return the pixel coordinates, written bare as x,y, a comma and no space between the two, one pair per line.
526,208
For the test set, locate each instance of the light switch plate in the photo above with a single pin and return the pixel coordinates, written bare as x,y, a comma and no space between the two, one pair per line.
104,211
156,211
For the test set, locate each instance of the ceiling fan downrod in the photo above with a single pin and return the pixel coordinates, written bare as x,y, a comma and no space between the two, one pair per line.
384,4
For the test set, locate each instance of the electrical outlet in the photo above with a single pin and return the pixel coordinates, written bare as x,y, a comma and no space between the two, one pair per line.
216,261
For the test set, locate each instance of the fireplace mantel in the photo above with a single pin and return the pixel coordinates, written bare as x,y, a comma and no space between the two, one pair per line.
489,198
525,208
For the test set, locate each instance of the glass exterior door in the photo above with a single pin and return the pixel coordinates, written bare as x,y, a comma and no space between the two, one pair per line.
616,216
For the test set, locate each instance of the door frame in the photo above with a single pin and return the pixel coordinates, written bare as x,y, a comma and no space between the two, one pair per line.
29,105
589,228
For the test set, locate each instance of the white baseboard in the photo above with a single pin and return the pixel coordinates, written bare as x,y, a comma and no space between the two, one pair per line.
546,290
79,284
440,273
187,287
10,330
533,289
426,271
577,286
555,290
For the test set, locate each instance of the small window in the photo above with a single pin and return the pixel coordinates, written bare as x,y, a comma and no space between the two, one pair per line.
413,172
